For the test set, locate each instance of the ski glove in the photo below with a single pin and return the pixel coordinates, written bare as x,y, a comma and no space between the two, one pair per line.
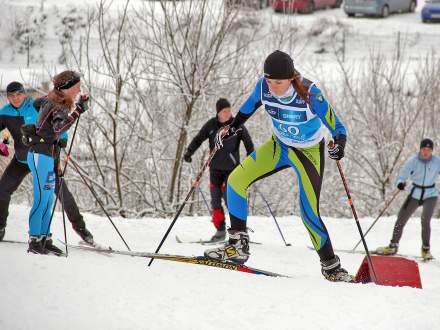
401,185
83,104
222,133
336,151
4,150
187,157
62,143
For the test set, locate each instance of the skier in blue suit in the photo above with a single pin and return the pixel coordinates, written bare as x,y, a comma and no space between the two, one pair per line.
57,114
21,110
299,112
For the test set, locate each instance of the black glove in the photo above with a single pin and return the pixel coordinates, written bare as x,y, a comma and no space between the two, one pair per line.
336,152
62,143
187,157
401,185
224,132
83,104
221,133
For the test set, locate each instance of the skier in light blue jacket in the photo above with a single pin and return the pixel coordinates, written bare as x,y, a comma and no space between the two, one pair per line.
423,171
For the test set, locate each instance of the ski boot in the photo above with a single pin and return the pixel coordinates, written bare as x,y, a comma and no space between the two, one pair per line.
85,235
388,250
332,271
219,236
236,250
36,245
50,247
426,253
2,233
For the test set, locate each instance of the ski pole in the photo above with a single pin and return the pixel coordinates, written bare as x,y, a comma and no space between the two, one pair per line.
353,210
203,195
273,216
76,167
205,200
61,179
193,187
64,219
387,204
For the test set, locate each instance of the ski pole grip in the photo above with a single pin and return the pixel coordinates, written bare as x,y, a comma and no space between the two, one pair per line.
331,144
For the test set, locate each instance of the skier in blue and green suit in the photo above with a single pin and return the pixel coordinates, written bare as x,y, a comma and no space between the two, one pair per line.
298,111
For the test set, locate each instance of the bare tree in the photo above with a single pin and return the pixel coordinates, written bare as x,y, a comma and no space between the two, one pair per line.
185,48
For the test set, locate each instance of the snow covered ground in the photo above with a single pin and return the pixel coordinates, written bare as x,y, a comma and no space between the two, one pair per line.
88,290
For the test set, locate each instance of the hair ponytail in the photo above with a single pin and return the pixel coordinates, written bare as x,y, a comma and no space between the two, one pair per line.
300,88
60,99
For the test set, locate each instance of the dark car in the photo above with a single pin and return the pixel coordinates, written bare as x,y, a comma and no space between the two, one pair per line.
431,11
303,6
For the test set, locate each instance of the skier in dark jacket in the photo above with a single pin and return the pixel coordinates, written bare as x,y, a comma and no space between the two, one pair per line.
224,161
57,114
423,170
22,110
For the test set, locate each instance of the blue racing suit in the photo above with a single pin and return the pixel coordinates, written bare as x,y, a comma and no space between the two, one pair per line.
52,121
298,143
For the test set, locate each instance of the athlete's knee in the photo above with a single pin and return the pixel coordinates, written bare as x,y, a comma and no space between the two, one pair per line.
238,182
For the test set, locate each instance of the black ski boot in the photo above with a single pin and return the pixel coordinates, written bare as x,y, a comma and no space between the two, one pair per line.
36,245
85,235
332,271
48,244
2,233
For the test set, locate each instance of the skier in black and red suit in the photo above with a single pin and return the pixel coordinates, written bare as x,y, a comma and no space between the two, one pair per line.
224,161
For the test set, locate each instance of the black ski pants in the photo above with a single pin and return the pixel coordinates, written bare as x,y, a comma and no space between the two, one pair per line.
217,184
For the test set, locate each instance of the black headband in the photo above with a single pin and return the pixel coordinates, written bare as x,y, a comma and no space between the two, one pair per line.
76,78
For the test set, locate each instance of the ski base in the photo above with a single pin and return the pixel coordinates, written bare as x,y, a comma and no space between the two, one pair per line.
209,242
202,242
197,260
11,241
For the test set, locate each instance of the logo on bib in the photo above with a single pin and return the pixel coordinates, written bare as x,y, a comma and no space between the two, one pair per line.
288,130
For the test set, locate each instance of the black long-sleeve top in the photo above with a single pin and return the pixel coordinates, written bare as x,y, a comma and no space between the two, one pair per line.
228,157
52,121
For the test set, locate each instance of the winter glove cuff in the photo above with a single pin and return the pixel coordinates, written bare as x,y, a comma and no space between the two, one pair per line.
337,151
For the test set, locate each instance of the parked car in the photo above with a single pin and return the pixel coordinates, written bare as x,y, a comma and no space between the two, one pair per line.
431,11
380,8
303,6
255,4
